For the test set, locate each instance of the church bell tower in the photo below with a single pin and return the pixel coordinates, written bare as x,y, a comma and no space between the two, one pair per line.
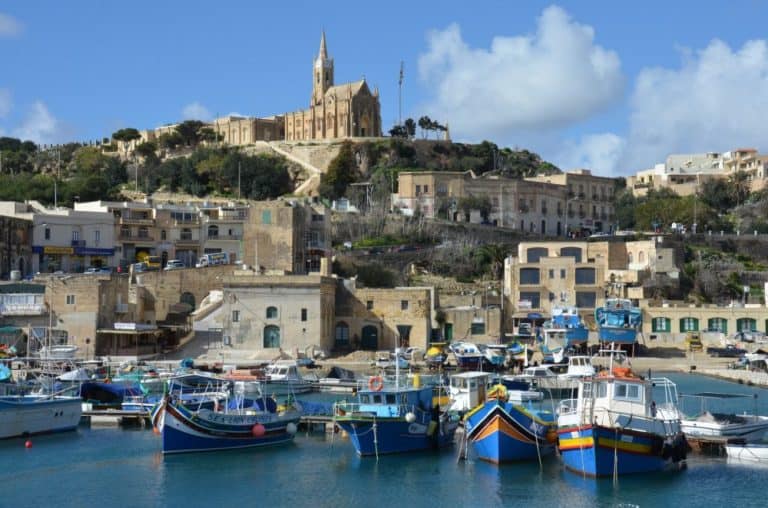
323,73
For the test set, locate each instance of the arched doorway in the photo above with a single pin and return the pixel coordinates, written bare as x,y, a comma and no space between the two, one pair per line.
271,336
370,339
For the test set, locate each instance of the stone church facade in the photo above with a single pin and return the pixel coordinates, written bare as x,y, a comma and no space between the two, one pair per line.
335,111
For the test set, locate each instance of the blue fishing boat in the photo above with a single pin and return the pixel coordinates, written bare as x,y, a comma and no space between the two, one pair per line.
618,321
508,427
388,418
186,430
616,427
567,319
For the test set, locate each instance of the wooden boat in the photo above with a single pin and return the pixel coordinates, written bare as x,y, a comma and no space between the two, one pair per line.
615,426
184,430
508,427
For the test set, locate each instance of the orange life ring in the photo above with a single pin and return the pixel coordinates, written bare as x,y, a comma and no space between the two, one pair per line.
376,383
622,372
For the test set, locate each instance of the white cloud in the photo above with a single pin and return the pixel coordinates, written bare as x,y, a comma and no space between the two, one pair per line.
717,100
597,152
6,102
9,26
196,111
547,80
40,126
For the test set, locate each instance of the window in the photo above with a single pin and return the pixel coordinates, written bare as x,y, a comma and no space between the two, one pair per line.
661,324
96,237
426,189
271,312
478,328
342,334
213,231
75,236
163,234
586,299
529,276
532,296
47,233
573,252
536,253
303,314
143,232
718,325
186,234
627,391
369,305
271,336
562,273
235,316
585,276
551,273
689,324
70,299
418,190
266,217
403,304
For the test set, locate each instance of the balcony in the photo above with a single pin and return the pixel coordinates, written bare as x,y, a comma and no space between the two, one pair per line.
229,218
22,309
186,222
136,221
220,237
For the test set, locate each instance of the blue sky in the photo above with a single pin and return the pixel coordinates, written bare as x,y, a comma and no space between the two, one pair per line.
611,86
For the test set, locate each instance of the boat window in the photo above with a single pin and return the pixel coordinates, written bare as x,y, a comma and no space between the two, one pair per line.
602,390
391,399
472,383
587,390
404,398
377,399
625,391
365,399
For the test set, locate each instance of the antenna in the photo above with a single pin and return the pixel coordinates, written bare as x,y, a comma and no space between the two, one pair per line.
400,95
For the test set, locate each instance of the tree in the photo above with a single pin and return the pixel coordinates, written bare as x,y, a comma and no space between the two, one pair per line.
210,135
170,140
147,150
341,172
189,131
398,131
425,124
126,135
492,256
410,127
480,203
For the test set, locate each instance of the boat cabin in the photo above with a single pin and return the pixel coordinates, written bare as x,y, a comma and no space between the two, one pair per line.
468,390
394,402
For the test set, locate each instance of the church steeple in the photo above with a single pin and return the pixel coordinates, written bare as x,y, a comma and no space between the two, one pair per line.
323,72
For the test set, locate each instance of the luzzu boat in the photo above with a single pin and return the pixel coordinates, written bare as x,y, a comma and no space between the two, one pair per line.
388,418
185,430
507,427
615,426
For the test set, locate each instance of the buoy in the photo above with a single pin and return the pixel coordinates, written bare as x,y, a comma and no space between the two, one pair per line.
291,428
258,430
28,444
410,417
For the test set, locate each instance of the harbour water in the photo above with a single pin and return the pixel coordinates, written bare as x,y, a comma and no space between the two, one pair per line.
121,467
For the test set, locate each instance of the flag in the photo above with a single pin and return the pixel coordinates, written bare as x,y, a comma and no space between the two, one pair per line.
401,73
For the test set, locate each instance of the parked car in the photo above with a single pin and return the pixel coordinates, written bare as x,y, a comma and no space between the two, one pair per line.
386,359
413,353
729,351
174,264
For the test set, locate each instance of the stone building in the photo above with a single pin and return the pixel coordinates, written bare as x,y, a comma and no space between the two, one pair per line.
335,111
246,130
15,240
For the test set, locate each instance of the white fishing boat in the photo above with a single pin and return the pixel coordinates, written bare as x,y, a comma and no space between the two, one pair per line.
748,428
23,415
748,452
58,352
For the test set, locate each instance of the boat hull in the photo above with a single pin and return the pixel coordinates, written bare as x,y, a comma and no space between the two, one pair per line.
617,335
22,416
184,431
604,451
469,362
504,432
749,429
749,452
396,435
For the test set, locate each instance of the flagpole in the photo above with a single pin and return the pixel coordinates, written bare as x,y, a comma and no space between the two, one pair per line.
400,97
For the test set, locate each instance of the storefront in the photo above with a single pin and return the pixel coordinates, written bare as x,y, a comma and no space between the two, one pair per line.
53,258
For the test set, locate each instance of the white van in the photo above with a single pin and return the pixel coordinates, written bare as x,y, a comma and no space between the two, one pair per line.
213,259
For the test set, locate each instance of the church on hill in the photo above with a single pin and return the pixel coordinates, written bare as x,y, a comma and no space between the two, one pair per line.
335,111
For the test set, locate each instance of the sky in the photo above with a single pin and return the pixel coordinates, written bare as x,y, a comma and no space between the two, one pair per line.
609,86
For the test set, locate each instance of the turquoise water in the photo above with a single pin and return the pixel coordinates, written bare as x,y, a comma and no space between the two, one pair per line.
118,467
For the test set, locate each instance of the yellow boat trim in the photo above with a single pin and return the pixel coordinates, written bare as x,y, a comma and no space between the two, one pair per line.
498,424
623,445
576,442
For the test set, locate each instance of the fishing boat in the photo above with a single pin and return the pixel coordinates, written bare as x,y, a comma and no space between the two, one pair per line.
283,378
616,427
58,352
468,355
389,418
748,452
567,319
186,430
508,427
747,428
22,415
618,321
